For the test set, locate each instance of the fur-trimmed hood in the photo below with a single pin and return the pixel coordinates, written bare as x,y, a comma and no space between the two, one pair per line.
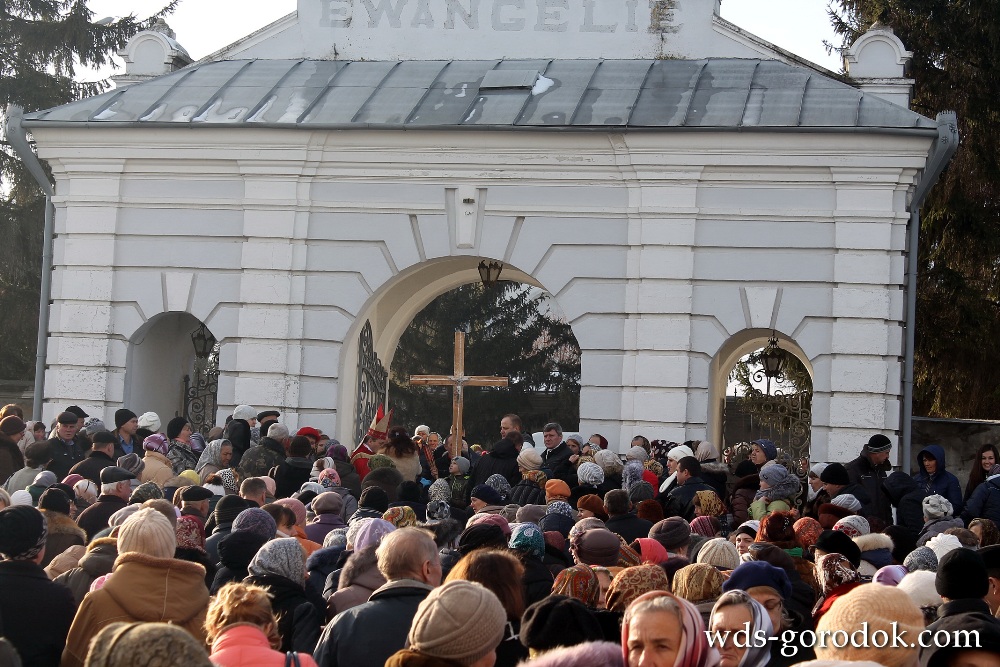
359,564
60,524
715,467
874,541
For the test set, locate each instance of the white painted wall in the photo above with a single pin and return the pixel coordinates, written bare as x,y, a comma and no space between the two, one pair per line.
660,248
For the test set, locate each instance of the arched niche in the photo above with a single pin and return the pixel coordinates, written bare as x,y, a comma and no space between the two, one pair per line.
160,354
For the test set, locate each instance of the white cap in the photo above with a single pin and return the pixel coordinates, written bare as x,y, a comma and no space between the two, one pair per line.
149,421
423,429
246,412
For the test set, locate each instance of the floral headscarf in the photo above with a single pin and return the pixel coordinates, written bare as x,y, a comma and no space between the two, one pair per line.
536,476
401,516
189,534
633,582
580,582
706,526
654,466
230,480
283,557
833,570
439,490
711,503
559,507
698,582
212,455
807,531
329,478
527,538
694,650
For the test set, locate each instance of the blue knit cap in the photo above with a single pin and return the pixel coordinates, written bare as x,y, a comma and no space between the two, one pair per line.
768,447
758,573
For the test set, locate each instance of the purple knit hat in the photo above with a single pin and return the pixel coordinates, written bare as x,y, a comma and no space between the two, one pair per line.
256,522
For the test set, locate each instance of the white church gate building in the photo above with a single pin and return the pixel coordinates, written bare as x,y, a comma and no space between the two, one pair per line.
681,188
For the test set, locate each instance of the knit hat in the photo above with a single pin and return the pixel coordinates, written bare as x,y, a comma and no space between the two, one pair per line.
818,468
22,497
277,431
556,522
883,610
143,644
878,443
255,521
768,447
962,575
529,459
54,500
854,525
835,473
556,489
335,538
590,473
597,546
640,491
380,461
719,552
609,461
149,421
438,510
147,532
124,416
921,559
672,533
462,463
329,502
189,534
941,544
937,507
847,501
838,542
530,514
637,454
461,621
679,452
132,463
175,426
758,573
439,490
93,426
144,492
499,484
12,425
487,494
557,620
592,503
375,498
246,412
920,586
228,508
45,479
23,532
283,557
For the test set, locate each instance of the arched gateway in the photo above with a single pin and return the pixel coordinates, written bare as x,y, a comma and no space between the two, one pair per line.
675,183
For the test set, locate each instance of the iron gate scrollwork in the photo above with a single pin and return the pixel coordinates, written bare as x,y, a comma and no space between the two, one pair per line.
785,419
372,381
201,395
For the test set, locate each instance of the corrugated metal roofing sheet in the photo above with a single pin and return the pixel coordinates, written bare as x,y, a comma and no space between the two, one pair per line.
712,93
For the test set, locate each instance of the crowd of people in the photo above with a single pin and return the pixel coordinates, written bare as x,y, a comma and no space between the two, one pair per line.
254,545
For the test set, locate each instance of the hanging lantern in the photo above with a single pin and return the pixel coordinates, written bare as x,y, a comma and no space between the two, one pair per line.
772,358
489,273
203,342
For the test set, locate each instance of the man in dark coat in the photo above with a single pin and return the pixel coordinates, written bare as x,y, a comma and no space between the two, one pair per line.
366,635
837,482
268,454
294,471
680,501
35,613
556,455
115,492
622,520
501,460
64,449
869,471
907,497
100,457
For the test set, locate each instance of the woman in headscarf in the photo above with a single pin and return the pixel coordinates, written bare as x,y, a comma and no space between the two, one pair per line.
580,582
528,544
701,585
708,503
181,456
280,568
216,457
633,582
662,629
730,615
349,478
835,576
158,468
401,516
330,480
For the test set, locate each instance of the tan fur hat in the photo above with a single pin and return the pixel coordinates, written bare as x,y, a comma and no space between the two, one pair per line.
460,621
147,532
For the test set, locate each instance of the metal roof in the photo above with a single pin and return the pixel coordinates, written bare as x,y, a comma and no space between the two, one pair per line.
494,94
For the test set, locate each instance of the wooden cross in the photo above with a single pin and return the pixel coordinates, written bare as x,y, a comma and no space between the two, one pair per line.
458,381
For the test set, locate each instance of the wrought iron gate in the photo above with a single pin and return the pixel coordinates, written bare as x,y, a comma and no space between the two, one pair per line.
785,419
372,381
201,395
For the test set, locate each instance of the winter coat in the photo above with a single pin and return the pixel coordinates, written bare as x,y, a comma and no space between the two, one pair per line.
760,509
985,502
629,526
537,580
157,470
299,615
861,472
291,474
408,466
141,589
260,458
238,432
350,501
348,477
219,533
742,497
36,612
63,533
319,565
64,455
358,580
907,497
248,646
936,527
579,492
236,550
95,518
461,486
680,500
876,552
367,635
317,529
11,459
942,482
527,492
182,457
92,466
97,562
501,460
611,482
716,475
557,461
20,480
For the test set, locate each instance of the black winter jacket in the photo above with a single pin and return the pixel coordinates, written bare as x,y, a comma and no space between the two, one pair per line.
527,492
300,614
861,472
501,460
907,497
36,612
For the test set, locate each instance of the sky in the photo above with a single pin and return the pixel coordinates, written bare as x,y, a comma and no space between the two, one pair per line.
204,26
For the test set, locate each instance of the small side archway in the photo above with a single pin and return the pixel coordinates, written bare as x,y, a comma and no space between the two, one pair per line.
735,348
160,356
